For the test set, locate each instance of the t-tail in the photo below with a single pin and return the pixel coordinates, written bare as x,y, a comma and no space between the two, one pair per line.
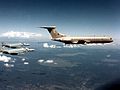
53,32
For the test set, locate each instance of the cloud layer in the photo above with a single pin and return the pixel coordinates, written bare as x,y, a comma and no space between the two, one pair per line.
25,35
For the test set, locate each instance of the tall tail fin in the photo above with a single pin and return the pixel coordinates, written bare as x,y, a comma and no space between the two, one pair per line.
53,32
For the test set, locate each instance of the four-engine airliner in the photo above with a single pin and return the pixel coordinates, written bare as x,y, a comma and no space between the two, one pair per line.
75,40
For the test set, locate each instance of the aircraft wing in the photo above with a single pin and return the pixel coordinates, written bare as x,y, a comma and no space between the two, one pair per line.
76,41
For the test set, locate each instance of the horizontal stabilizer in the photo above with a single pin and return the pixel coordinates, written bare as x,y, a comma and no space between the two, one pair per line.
48,27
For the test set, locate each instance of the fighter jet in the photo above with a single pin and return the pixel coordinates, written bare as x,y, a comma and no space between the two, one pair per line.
75,40
16,51
14,45
15,48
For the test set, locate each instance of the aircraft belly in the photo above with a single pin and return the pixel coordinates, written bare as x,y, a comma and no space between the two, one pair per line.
99,41
71,42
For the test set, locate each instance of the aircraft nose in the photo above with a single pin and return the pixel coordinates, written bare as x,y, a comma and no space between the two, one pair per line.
111,39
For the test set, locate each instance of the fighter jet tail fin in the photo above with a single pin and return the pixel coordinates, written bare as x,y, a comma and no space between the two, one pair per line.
53,32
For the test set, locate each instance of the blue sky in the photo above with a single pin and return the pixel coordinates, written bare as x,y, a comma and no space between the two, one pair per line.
72,17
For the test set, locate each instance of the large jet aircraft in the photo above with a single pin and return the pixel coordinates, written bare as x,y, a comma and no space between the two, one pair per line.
75,40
